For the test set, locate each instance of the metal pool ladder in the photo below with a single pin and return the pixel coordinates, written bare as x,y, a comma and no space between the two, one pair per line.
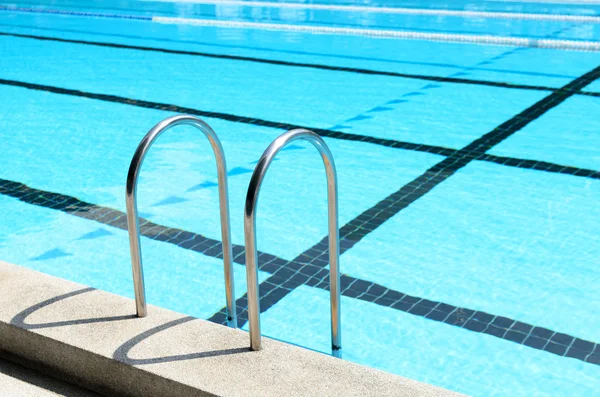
250,235
132,212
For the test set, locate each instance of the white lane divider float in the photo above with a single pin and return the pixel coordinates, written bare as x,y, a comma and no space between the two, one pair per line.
393,34
563,2
395,10
377,33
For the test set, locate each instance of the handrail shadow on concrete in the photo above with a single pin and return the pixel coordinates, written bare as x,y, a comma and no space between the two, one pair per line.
122,352
19,319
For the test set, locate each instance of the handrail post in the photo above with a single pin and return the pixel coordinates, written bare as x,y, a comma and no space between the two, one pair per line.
132,212
250,235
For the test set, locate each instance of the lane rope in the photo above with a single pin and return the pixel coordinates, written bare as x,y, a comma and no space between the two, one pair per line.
395,10
395,34
376,33
74,13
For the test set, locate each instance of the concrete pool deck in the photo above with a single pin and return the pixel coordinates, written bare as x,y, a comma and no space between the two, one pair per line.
16,380
91,338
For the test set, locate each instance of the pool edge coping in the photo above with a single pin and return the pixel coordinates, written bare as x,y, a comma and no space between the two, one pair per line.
92,338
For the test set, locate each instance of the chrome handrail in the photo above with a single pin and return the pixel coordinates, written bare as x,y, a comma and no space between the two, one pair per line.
250,235
132,212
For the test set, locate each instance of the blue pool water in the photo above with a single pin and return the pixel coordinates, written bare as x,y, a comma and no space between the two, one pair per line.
468,175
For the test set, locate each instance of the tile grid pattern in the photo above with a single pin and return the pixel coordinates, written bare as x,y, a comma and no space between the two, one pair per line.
325,133
477,321
540,166
397,103
483,66
309,269
286,63
372,218
369,220
118,219
316,262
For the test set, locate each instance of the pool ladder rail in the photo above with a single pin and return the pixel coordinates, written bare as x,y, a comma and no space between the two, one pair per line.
250,235
133,218
249,223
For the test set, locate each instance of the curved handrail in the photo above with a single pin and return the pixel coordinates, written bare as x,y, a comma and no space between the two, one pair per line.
132,212
250,235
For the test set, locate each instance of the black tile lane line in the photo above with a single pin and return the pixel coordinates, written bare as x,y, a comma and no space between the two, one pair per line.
230,117
439,150
118,219
287,63
182,238
540,166
353,231
477,321
115,218
314,258
541,338
372,218
290,52
276,290
589,93
289,275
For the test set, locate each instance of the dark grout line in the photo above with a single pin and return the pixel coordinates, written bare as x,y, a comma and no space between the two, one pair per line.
288,275
288,63
292,52
184,239
308,267
589,93
284,278
477,321
230,117
432,149
308,270
540,166
277,287
115,218
372,218
355,230
350,233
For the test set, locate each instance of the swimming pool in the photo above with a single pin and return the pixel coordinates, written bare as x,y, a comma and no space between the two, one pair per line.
468,174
